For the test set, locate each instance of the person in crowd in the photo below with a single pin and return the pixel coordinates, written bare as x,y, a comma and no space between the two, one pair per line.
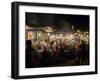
82,58
39,54
30,54
44,60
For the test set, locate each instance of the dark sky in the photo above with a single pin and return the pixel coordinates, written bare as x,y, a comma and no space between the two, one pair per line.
58,20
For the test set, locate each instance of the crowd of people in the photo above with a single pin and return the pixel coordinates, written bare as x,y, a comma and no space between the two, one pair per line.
44,53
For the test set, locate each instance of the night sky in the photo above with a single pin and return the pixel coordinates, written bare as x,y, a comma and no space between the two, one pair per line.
58,21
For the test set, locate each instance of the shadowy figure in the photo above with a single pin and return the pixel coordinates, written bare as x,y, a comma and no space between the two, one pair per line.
30,54
45,57
83,53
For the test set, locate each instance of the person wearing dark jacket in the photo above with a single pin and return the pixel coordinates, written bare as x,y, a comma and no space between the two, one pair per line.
30,54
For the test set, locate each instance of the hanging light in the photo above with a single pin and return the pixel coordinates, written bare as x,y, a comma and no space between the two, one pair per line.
78,30
60,35
48,34
72,27
39,34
